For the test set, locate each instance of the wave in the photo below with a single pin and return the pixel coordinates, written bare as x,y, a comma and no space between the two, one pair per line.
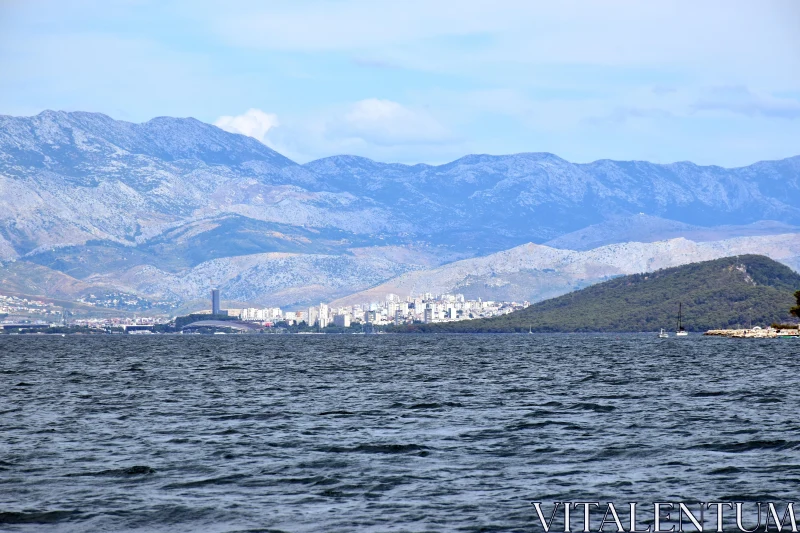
37,517
708,394
435,405
224,480
136,470
545,423
597,408
377,448
726,470
753,445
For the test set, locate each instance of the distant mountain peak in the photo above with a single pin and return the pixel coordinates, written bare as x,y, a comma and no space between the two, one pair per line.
49,113
166,138
472,159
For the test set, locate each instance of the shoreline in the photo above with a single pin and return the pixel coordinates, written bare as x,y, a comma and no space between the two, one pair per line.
754,333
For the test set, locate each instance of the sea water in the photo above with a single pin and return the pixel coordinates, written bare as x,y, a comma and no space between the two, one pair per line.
385,432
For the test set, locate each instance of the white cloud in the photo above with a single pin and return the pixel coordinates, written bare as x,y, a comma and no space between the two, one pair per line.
253,123
386,122
378,128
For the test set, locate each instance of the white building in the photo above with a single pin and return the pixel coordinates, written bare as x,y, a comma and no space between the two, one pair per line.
324,316
313,316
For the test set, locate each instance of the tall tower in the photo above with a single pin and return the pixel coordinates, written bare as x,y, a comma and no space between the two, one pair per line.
214,301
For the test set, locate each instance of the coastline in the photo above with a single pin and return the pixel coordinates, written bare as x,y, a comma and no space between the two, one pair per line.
754,333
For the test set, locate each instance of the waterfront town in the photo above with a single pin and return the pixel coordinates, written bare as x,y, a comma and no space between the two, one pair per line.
427,308
31,314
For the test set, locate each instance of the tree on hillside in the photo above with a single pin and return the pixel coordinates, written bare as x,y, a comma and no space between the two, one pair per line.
796,309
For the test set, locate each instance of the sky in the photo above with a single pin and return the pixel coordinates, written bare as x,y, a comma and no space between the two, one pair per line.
413,81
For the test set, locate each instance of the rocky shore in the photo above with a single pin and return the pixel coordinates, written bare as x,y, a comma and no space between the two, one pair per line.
754,333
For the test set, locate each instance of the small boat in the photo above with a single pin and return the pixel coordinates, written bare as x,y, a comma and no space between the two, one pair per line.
662,334
681,332
530,330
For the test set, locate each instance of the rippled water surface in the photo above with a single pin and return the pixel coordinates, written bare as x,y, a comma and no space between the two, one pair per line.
384,433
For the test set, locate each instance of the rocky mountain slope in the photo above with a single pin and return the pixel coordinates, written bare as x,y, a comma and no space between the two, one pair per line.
535,272
67,178
538,196
271,278
147,207
646,228
70,177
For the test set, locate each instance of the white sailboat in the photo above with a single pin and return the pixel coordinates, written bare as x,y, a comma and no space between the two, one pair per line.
681,332
662,334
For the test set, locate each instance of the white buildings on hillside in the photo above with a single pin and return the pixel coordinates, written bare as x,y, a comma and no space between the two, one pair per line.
427,308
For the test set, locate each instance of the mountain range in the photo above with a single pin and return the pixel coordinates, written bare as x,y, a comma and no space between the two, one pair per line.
164,209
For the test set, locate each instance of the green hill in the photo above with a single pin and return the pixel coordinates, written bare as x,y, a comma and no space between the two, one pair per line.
715,294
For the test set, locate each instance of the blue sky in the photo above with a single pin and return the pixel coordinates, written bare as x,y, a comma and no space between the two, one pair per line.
424,81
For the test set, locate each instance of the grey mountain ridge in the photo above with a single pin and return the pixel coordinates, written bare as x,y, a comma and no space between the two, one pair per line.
176,192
